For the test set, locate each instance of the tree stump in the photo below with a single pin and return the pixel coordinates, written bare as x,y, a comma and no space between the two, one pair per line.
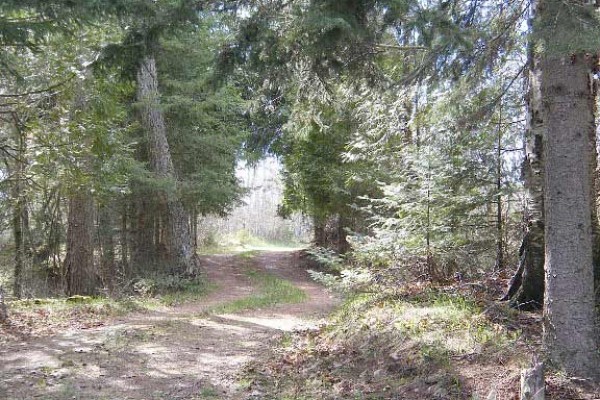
532,382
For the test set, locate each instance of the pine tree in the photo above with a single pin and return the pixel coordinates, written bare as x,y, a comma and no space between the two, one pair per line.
570,333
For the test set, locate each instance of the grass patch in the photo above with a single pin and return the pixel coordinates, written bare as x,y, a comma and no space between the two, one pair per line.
271,292
188,292
66,308
45,316
248,254
208,393
392,347
243,241
242,248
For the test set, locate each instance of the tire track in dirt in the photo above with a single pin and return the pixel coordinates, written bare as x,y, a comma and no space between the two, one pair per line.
179,353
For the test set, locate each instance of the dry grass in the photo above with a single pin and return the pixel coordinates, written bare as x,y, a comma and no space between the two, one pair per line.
428,343
47,316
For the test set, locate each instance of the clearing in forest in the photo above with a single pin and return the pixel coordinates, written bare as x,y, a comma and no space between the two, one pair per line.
192,351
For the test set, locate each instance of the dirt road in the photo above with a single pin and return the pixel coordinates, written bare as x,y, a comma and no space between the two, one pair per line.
184,352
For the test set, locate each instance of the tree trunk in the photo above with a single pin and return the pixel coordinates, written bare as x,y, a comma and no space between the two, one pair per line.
143,251
55,239
320,234
106,241
570,335
180,243
18,234
499,220
82,277
124,239
526,290
194,223
20,215
3,310
595,185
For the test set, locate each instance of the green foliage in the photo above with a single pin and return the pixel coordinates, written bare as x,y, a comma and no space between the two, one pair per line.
380,347
358,82
436,163
28,25
171,290
72,118
348,282
567,27
205,119
326,259
317,175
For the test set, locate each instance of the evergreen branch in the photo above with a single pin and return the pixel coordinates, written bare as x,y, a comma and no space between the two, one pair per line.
39,91
401,48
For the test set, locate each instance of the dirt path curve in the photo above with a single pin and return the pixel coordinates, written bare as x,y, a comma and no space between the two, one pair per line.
180,353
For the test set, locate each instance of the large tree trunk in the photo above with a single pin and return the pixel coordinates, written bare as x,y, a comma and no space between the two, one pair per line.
82,277
81,273
143,251
180,241
570,335
595,186
526,290
106,242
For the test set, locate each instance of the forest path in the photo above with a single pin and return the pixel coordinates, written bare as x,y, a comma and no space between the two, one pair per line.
185,352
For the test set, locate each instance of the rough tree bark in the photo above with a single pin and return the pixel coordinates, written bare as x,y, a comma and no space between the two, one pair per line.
595,180
82,277
570,335
106,242
152,118
18,217
124,239
81,273
526,290
142,241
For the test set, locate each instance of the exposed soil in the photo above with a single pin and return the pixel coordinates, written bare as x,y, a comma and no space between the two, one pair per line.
180,353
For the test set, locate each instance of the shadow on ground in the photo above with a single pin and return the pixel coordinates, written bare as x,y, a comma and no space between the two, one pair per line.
181,353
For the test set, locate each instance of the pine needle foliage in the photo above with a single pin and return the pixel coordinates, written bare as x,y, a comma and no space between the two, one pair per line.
206,118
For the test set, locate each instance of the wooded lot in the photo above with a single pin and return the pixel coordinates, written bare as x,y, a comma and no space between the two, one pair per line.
438,143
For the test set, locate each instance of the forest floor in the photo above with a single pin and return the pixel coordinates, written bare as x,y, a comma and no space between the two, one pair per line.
256,331
192,351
